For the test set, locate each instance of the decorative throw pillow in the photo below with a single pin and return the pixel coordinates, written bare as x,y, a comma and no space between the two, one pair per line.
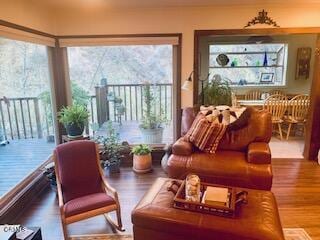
205,134
222,114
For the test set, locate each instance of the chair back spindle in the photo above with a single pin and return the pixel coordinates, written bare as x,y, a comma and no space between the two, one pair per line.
253,95
276,105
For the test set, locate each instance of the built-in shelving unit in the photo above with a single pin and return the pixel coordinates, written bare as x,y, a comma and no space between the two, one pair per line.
247,65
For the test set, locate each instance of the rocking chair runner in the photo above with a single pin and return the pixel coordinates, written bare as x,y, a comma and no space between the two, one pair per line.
83,191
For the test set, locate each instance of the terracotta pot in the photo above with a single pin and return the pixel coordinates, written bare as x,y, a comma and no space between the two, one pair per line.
142,163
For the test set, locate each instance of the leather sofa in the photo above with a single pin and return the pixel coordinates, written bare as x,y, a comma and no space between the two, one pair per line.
243,157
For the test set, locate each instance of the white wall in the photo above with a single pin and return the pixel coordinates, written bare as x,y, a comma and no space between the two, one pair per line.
92,19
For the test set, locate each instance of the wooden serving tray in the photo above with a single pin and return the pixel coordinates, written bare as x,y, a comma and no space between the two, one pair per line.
236,198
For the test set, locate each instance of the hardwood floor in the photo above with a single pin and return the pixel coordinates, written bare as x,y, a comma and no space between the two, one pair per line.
296,186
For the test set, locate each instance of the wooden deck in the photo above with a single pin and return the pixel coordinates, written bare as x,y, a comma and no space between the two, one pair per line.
19,158
129,131
296,186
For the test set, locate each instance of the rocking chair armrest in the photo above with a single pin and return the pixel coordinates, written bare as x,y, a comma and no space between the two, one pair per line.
109,188
60,199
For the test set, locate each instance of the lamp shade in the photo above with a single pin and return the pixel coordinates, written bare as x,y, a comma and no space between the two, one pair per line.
187,85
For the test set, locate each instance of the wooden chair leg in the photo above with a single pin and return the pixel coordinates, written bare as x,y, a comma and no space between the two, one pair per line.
65,230
289,129
280,130
118,225
119,219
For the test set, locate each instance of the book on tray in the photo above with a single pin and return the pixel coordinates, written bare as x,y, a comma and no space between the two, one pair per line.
216,196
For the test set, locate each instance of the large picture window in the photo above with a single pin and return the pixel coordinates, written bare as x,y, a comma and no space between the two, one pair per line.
26,122
114,83
250,64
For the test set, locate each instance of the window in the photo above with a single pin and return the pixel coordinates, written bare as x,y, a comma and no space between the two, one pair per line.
250,64
112,81
25,111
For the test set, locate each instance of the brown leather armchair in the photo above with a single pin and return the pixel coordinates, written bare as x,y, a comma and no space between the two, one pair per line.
243,157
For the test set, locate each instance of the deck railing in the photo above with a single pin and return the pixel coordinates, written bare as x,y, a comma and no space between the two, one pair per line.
30,117
132,96
24,117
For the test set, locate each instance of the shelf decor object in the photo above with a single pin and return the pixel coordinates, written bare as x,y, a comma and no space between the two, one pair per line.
303,63
266,77
222,60
262,18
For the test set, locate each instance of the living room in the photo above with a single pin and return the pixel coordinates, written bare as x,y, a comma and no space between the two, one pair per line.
110,60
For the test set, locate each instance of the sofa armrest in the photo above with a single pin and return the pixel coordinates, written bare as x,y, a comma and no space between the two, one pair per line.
182,147
259,153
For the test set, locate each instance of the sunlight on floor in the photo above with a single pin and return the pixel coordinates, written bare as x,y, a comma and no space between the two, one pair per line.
292,148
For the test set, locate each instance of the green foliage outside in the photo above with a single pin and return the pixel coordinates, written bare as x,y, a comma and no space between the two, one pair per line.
217,92
75,115
110,145
151,119
141,149
79,96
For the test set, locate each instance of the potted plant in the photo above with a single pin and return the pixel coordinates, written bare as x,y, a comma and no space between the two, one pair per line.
74,118
142,160
110,150
151,124
217,92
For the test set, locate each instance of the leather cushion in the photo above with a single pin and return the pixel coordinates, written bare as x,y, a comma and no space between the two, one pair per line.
223,167
87,203
257,220
259,153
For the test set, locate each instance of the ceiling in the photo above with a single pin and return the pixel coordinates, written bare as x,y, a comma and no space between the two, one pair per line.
161,3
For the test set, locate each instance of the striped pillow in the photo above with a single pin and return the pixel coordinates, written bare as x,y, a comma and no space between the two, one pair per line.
205,134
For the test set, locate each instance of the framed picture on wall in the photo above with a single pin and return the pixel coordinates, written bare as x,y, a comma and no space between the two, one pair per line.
303,63
266,78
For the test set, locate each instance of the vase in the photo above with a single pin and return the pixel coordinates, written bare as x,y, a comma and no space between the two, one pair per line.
153,135
142,163
265,60
74,130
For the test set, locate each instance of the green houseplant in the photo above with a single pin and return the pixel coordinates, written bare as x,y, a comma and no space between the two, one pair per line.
74,118
151,124
142,160
110,150
217,92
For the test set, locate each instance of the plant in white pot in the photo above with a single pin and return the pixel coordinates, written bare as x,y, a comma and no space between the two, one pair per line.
74,118
142,160
151,124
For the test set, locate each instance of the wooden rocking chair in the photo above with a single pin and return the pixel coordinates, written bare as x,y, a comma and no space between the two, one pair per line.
83,191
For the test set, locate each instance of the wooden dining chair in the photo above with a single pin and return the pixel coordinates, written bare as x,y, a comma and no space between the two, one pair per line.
253,95
83,191
276,92
299,108
276,105
234,100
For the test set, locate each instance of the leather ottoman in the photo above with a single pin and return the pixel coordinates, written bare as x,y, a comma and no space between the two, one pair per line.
155,218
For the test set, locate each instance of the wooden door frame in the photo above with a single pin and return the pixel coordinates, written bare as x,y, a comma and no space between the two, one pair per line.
312,136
